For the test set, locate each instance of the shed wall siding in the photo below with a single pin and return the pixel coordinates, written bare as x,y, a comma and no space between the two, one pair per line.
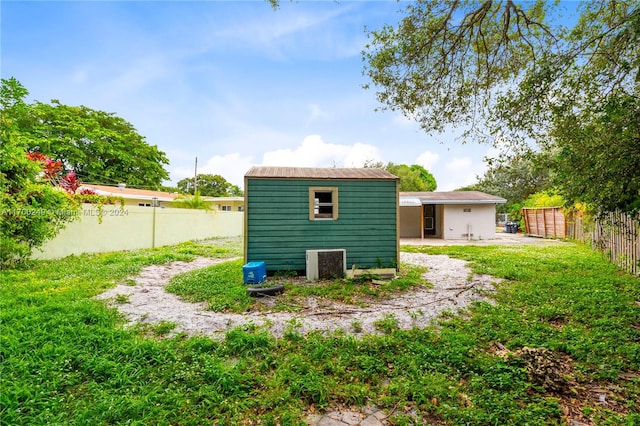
279,230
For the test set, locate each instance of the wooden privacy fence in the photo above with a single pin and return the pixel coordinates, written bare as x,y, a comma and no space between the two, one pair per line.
616,234
545,222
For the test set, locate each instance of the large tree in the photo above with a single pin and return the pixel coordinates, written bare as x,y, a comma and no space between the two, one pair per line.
32,210
98,146
514,73
515,180
210,185
413,178
597,154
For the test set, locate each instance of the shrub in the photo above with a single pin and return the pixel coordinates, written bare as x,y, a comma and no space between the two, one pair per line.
32,210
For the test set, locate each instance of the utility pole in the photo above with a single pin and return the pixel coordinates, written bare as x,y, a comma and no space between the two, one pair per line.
195,178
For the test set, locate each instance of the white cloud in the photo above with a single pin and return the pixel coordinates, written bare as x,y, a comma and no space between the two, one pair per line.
290,32
461,171
428,159
458,164
316,113
314,152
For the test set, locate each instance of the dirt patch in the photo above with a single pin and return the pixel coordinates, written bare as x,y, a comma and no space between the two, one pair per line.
454,288
553,371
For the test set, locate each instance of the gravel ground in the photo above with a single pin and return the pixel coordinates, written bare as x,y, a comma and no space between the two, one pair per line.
454,288
501,238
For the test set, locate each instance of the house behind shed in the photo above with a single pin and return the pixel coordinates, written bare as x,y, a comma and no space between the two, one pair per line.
457,215
291,210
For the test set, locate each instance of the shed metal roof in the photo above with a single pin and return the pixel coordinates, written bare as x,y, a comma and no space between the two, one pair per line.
452,197
319,173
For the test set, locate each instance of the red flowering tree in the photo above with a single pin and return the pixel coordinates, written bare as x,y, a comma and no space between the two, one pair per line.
32,210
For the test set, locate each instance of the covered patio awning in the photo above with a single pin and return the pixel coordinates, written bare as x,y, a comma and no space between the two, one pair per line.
410,201
452,197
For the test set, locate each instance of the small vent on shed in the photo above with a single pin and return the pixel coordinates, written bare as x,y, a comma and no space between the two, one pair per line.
325,264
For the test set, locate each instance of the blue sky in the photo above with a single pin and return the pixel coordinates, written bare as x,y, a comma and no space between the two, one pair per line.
233,83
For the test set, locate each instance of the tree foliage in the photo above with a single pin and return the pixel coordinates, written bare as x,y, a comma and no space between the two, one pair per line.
445,58
414,178
544,199
516,179
210,186
190,202
597,155
98,146
32,209
514,73
462,62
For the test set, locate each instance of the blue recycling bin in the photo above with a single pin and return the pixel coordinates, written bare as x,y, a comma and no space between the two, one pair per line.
254,272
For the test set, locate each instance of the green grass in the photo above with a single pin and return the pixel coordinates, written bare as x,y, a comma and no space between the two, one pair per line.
66,359
566,299
362,288
221,287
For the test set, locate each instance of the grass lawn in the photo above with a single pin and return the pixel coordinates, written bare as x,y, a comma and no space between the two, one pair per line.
222,288
66,359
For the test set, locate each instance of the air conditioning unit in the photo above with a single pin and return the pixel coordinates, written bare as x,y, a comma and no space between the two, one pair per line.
326,264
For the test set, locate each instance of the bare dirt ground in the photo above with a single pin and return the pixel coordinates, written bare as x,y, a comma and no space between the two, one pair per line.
454,288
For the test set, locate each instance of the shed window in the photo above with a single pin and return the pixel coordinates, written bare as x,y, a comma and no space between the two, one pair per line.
225,208
323,203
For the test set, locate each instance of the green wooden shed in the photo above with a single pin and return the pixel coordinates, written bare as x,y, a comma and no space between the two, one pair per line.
291,212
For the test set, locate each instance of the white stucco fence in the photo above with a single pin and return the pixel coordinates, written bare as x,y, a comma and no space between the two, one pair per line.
134,227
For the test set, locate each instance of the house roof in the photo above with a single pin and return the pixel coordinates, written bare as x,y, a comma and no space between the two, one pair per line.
452,197
318,173
130,193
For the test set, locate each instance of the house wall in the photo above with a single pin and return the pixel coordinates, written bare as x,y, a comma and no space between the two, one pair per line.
278,230
235,205
133,227
481,217
134,202
410,221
